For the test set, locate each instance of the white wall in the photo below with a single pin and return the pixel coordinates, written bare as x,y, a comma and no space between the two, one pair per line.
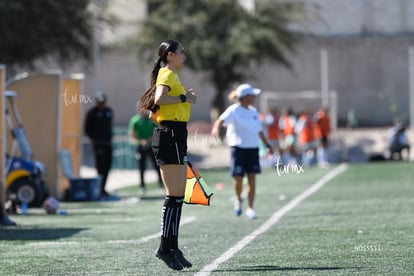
353,17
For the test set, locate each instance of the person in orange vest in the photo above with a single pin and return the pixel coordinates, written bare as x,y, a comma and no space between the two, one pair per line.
322,132
272,126
305,130
287,122
270,121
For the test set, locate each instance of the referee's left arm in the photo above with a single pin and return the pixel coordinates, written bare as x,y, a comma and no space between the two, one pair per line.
161,96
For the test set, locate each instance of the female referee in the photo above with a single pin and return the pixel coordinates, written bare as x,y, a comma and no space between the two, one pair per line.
169,103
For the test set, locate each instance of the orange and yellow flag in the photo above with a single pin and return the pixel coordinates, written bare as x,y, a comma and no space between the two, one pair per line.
196,191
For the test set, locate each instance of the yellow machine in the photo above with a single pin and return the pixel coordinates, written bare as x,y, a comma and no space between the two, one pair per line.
24,183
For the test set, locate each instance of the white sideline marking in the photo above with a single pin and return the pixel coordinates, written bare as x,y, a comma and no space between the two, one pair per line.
271,221
185,220
52,243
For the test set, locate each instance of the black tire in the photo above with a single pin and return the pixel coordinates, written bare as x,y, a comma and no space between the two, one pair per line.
27,190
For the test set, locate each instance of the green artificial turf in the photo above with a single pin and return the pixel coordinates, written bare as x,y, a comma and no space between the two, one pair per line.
358,223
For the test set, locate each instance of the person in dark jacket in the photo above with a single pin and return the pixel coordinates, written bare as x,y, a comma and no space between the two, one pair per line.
98,127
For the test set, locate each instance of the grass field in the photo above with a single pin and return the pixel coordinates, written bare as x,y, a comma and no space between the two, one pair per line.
360,222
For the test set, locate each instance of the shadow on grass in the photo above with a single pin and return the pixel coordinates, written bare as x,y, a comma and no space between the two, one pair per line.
261,268
152,197
27,233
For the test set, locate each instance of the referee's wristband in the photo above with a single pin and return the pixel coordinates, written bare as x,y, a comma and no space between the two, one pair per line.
183,98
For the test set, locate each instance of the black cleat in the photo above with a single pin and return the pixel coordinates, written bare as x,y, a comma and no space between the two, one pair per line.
180,257
170,260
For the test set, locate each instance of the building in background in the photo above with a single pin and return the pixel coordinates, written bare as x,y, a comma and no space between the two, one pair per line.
366,42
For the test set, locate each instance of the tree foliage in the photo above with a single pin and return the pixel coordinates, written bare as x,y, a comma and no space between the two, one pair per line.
221,38
35,29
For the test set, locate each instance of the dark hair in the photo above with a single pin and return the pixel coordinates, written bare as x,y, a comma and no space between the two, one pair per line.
147,99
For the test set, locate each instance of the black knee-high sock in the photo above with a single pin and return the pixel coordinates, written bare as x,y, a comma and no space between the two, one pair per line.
175,238
170,222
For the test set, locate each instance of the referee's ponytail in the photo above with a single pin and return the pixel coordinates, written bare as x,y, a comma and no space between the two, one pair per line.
147,100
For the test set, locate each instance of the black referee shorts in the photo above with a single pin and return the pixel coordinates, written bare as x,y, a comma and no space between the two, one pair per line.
169,143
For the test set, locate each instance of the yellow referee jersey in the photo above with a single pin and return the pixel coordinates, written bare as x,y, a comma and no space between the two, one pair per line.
179,112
